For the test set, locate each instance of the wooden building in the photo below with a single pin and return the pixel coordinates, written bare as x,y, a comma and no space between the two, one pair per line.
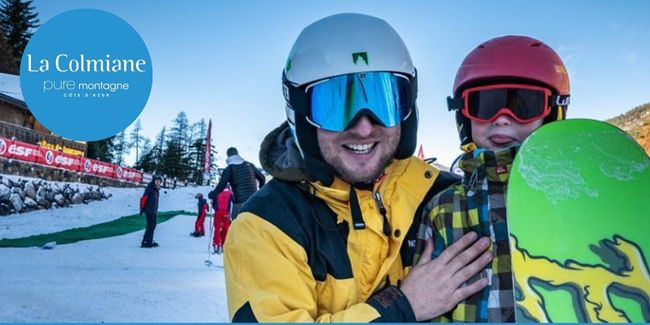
17,121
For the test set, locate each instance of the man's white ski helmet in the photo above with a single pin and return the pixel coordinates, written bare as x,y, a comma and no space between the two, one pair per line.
326,47
338,45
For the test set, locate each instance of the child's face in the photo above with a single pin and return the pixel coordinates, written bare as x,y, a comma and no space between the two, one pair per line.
501,133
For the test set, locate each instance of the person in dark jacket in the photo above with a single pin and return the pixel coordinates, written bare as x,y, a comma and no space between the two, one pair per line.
199,228
241,176
149,206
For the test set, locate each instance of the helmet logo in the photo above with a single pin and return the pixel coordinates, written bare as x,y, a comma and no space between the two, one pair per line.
562,101
287,67
560,69
362,55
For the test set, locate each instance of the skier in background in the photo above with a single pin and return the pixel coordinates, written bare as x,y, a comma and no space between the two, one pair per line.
149,206
199,228
240,175
222,207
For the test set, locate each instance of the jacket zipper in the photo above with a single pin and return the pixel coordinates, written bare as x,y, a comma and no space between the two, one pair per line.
382,210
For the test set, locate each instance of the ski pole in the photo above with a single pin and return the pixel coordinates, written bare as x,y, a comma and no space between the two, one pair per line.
208,262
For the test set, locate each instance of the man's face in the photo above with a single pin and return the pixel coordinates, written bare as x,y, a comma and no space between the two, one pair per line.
501,133
156,183
360,153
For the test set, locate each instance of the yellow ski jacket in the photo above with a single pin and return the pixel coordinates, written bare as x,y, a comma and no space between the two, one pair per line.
301,251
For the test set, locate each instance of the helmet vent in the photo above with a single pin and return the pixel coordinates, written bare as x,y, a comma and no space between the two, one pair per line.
536,44
481,46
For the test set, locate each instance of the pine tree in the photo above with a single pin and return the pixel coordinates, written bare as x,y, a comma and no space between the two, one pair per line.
178,151
152,160
181,130
172,160
197,151
121,148
101,150
146,145
18,19
7,64
175,157
146,162
136,139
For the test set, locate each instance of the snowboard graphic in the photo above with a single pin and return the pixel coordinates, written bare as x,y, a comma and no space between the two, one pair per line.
579,220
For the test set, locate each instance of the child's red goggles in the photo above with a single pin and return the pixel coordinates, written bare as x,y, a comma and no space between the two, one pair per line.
524,103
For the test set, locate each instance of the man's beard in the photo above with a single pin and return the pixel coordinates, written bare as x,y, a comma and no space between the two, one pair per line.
355,176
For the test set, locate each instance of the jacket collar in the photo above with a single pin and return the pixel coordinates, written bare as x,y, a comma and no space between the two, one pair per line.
494,166
234,160
280,157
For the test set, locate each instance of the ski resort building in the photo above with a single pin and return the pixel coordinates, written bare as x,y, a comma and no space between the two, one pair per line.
18,123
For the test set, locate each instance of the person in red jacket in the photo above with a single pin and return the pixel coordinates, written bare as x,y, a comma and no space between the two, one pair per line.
222,207
199,229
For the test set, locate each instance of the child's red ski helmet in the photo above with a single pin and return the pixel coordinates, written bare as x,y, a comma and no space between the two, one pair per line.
511,59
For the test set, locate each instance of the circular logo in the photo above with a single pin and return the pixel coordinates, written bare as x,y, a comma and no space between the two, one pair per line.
49,157
118,172
3,146
86,74
88,166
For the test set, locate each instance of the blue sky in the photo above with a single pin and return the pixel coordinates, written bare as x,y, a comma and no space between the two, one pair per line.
223,59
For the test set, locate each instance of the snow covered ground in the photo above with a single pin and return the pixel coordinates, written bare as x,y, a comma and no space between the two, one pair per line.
124,201
111,279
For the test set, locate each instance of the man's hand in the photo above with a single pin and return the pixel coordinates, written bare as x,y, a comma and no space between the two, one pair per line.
435,287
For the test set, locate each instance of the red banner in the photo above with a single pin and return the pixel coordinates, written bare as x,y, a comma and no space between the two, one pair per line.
86,166
4,147
53,158
23,151
128,174
103,169
56,158
69,162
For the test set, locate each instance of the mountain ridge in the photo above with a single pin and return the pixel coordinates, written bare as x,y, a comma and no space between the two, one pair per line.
636,122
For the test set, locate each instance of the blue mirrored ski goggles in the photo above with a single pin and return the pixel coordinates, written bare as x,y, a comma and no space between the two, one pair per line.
335,103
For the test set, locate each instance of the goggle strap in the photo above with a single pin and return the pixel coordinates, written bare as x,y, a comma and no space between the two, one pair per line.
455,104
295,96
414,89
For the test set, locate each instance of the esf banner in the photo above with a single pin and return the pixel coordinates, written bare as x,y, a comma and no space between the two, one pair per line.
12,149
56,158
19,150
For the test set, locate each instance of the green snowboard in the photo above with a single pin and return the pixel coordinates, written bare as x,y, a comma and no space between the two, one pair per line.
579,221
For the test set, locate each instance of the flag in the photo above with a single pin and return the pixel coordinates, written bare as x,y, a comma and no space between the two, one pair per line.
208,154
421,153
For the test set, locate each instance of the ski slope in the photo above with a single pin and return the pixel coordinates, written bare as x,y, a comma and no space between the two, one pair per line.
111,279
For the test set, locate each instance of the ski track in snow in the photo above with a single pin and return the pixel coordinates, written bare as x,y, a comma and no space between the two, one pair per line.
111,279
